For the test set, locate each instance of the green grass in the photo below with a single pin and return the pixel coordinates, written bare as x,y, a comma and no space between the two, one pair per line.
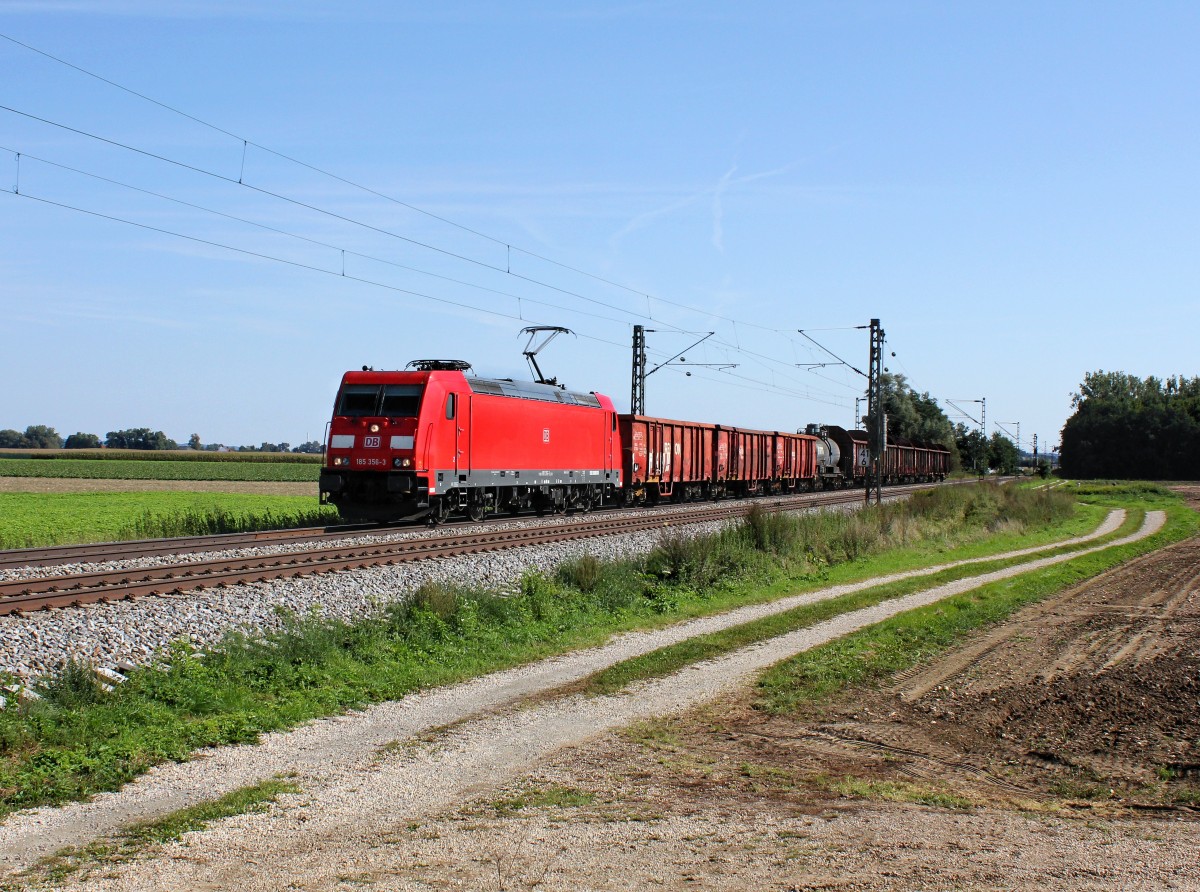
141,468
175,455
670,659
921,635
79,739
893,791
32,519
134,839
553,796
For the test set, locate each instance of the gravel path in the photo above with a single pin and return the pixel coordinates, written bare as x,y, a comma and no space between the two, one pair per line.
356,785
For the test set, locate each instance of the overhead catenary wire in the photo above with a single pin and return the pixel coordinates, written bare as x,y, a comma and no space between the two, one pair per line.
763,360
379,230
312,241
399,202
758,385
807,394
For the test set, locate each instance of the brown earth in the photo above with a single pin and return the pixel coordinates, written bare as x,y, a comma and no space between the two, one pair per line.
1060,749
74,484
1057,750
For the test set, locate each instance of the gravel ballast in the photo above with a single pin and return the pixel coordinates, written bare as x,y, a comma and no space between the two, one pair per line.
132,632
352,794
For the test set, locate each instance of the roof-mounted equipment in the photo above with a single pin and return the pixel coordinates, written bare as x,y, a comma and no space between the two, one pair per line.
530,351
439,365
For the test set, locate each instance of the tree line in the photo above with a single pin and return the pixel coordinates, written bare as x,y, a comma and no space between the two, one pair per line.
918,417
40,436
1133,428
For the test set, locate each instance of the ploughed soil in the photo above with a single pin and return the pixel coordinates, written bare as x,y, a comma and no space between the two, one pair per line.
1060,749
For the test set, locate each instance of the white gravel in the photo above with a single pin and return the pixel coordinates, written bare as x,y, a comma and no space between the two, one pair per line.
353,793
123,633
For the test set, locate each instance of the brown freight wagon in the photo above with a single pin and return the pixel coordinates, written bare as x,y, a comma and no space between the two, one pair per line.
684,460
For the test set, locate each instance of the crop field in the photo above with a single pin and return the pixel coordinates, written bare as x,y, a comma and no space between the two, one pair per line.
192,455
32,519
143,469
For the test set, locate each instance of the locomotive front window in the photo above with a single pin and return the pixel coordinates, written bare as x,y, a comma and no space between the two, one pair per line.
358,399
401,400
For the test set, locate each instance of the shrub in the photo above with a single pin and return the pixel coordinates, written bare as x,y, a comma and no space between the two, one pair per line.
583,573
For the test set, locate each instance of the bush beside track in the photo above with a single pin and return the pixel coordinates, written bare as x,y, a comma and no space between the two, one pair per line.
80,739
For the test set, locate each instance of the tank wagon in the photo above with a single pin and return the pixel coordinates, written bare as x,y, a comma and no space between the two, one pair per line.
432,441
844,458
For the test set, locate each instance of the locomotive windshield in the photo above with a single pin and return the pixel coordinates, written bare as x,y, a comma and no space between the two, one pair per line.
401,400
391,400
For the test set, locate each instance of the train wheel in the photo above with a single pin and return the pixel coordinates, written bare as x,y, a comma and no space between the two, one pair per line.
475,512
439,513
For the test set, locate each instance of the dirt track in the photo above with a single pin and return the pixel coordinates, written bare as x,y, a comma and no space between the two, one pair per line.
1017,738
1066,742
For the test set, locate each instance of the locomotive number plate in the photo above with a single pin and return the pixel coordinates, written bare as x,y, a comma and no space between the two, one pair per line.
370,462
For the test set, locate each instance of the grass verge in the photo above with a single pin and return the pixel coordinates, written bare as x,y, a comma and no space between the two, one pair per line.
141,468
79,739
31,519
129,843
672,658
920,635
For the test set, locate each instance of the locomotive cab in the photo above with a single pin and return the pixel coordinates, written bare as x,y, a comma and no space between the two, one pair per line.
373,470
435,442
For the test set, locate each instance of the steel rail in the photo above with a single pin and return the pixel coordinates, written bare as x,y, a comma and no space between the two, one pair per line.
55,555
38,593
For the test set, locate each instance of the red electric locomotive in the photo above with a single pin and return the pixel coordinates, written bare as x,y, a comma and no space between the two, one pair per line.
431,441
434,442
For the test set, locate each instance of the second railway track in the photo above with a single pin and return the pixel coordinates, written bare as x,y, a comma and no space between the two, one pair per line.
76,589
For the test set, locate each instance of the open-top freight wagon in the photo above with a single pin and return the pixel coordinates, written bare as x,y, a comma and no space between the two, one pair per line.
432,441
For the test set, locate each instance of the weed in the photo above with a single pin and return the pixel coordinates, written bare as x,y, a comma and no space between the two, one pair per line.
893,791
74,686
131,841
553,796
584,573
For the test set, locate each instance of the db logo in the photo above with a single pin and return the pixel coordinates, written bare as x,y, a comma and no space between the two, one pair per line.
371,442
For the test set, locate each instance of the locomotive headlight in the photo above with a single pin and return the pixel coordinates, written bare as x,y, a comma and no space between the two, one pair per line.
374,428
407,463
341,460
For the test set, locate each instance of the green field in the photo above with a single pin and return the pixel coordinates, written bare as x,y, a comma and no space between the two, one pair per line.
32,519
191,455
80,738
143,469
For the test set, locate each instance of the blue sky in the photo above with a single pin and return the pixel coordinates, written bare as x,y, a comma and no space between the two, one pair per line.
1013,189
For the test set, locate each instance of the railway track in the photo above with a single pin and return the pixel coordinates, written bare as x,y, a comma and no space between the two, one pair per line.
57,555
78,589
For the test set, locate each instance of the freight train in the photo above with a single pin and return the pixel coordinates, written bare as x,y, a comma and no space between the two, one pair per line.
434,442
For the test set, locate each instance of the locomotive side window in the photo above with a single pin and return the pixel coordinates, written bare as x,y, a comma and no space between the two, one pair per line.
401,400
358,399
450,405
